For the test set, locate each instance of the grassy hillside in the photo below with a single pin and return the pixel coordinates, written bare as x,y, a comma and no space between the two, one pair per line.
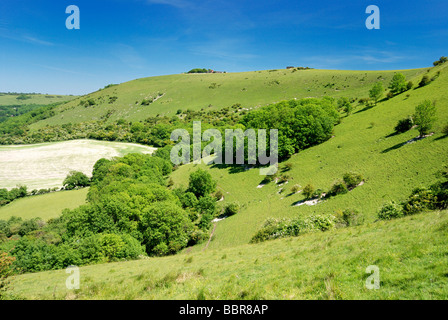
197,91
362,143
411,254
38,99
44,206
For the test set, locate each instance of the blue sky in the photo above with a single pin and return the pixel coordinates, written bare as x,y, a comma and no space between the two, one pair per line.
121,40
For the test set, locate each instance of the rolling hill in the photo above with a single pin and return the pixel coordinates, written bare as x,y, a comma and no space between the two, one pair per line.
410,252
214,91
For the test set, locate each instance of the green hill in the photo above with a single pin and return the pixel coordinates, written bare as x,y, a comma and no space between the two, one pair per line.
363,143
410,252
196,91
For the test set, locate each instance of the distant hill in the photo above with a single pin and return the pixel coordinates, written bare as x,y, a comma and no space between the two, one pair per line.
165,95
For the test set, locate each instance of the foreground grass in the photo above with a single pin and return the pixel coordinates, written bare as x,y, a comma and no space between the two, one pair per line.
44,206
411,253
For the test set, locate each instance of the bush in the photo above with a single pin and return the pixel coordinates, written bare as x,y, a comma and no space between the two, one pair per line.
5,272
390,211
295,188
349,218
308,191
219,195
421,199
281,228
339,187
425,81
352,180
445,129
390,95
410,85
231,209
76,179
404,125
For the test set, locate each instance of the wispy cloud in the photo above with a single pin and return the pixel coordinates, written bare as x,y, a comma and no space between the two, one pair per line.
64,70
7,34
37,41
129,56
220,49
368,57
173,3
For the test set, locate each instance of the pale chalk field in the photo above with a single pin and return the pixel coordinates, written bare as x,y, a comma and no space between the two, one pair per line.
46,165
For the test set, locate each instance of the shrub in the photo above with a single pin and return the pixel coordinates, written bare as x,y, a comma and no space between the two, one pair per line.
352,180
219,195
76,179
5,272
322,223
295,188
349,218
284,178
390,211
339,187
390,95
281,228
445,129
425,81
308,191
231,209
410,85
421,199
404,125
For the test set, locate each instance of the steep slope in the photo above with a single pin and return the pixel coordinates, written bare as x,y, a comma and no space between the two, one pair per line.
215,91
364,143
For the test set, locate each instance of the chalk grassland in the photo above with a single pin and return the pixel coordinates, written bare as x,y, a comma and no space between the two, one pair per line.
40,99
46,165
46,206
215,91
363,143
411,254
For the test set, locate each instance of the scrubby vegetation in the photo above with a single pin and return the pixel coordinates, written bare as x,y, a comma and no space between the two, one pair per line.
130,213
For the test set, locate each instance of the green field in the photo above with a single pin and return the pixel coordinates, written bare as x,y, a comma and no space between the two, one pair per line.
46,206
192,91
46,165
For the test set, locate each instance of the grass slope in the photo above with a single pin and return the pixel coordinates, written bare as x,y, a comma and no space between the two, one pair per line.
192,91
362,143
39,99
44,206
411,253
